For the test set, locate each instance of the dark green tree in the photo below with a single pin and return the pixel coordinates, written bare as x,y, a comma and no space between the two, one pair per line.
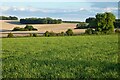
105,22
91,21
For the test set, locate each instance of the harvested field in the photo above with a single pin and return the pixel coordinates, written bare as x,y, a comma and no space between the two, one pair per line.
7,25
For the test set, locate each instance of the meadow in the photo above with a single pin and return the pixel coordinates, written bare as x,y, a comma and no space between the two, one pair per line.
87,56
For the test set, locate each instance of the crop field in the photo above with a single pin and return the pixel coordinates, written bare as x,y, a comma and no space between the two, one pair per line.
60,57
8,25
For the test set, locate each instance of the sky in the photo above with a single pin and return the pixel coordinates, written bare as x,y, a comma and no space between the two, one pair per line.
77,11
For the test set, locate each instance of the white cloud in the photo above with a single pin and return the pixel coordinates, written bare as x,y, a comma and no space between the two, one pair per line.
110,9
4,8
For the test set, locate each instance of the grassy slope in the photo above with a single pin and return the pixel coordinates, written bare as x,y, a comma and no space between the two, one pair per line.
64,57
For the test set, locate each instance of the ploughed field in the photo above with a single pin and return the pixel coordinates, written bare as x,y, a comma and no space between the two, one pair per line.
60,57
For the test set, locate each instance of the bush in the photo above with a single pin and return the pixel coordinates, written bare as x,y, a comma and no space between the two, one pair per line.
30,28
89,31
117,30
26,28
35,35
52,33
47,34
34,29
10,35
69,32
62,33
22,29
16,29
31,34
19,29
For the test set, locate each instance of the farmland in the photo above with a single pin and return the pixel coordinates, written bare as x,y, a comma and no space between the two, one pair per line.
60,57
7,25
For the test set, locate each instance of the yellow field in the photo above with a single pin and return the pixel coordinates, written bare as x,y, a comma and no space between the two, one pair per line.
7,25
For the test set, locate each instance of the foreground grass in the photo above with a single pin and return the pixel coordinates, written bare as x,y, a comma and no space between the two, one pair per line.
60,57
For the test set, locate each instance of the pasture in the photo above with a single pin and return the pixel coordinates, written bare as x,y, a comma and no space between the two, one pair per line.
60,57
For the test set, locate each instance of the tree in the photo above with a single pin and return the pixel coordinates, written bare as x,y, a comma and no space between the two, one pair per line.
8,18
105,22
91,21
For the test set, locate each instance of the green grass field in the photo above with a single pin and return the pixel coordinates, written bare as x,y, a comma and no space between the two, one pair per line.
60,57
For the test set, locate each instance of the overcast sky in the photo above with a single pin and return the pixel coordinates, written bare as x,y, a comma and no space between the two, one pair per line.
78,11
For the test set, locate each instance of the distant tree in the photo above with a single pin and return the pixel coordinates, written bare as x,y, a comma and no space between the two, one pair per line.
40,21
8,18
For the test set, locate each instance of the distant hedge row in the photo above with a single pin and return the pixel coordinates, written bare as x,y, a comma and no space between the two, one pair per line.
71,22
40,21
8,18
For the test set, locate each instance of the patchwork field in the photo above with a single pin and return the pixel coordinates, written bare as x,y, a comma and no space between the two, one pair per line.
7,25
60,57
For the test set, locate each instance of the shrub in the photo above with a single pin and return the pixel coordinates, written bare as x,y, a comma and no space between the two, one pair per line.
47,34
26,28
89,31
117,30
34,29
62,33
16,29
10,35
19,29
30,28
52,33
69,32
22,29
31,34
35,35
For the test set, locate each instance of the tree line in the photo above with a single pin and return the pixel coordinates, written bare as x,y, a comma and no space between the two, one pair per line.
71,21
8,18
40,21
